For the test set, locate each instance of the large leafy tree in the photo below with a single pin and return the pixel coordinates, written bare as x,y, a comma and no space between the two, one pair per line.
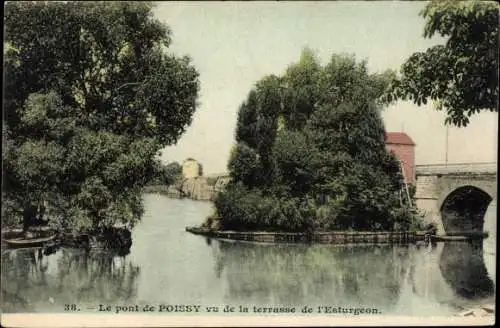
91,96
460,76
311,152
355,177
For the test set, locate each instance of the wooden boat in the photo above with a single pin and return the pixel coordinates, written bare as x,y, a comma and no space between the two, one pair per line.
31,242
18,232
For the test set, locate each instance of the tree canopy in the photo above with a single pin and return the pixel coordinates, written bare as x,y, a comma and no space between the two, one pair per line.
460,76
91,96
310,153
169,174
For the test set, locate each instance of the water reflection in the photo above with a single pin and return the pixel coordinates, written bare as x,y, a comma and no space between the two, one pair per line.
35,282
399,280
319,274
396,279
167,265
464,269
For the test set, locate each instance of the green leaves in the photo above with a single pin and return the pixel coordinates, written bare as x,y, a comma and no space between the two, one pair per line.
461,76
244,164
246,125
87,52
294,155
37,167
301,89
90,98
249,209
311,152
170,174
166,101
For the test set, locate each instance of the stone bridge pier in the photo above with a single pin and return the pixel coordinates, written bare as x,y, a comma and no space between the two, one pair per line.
457,196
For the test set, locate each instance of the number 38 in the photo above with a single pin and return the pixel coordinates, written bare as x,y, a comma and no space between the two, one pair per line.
70,307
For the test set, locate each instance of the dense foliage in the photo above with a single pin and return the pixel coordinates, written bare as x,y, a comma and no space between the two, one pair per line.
310,153
462,75
169,174
91,97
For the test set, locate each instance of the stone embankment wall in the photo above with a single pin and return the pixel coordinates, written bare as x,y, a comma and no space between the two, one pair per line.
333,237
204,187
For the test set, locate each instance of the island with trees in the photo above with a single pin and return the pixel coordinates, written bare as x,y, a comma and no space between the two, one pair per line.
310,154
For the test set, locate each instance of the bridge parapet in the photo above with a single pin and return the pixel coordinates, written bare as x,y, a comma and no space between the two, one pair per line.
433,169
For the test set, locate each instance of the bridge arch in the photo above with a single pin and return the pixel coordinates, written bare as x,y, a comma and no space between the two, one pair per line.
463,207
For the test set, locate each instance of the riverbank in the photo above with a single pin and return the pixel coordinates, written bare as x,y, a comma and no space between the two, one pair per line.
164,190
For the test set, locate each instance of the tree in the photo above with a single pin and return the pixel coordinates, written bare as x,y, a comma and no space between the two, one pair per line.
169,174
244,165
301,90
294,154
91,97
173,172
256,130
355,178
246,125
311,152
462,75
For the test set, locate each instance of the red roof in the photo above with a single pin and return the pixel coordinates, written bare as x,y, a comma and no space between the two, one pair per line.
398,138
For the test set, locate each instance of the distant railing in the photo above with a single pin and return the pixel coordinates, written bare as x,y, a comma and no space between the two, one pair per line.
480,167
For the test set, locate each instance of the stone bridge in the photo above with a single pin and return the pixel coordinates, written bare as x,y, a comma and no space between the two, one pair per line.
456,196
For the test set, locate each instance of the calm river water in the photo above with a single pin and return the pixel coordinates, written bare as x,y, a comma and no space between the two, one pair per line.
169,266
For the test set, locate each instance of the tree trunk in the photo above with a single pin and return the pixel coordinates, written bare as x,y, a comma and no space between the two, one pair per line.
29,214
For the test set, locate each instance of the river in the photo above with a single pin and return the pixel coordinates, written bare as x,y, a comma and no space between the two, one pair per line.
169,266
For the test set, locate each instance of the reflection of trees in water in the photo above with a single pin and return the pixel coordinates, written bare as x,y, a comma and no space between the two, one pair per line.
35,282
463,268
102,277
295,274
28,269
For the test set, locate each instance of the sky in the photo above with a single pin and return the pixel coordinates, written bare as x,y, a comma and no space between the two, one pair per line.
234,44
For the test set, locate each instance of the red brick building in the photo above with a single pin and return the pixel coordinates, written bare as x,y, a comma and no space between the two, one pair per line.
404,148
